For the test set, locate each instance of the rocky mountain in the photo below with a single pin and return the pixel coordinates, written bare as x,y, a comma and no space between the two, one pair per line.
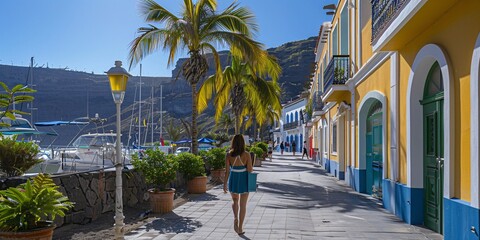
295,58
66,95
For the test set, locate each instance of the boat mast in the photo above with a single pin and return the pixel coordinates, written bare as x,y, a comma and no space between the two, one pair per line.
161,112
152,115
132,117
32,87
140,109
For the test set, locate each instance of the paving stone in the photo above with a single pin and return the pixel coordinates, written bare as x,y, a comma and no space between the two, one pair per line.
295,200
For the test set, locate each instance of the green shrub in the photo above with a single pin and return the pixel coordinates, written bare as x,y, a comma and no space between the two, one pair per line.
25,207
190,165
218,160
263,146
257,151
16,157
157,167
206,156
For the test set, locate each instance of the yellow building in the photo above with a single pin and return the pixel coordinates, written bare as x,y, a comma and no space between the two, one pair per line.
396,111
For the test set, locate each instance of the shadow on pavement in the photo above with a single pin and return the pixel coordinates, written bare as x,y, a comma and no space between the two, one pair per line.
204,197
172,223
290,167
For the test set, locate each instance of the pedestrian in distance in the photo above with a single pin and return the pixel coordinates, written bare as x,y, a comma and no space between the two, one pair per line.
294,147
237,164
282,147
270,150
305,152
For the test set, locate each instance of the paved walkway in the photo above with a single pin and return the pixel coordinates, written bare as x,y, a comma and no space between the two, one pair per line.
295,200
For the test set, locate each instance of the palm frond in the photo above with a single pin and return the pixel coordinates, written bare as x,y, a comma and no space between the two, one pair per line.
153,12
148,42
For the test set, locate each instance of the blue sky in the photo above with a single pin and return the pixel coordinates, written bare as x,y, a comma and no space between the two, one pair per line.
89,35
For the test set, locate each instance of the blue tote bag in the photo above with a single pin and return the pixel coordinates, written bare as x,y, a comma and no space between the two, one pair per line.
252,181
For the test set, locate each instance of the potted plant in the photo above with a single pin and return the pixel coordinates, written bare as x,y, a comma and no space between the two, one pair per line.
24,209
159,170
264,148
217,164
258,152
193,169
207,158
16,157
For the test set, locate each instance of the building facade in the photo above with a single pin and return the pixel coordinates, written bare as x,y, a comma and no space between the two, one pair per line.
398,115
291,129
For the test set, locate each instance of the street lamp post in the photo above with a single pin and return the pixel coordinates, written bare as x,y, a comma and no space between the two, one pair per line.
118,78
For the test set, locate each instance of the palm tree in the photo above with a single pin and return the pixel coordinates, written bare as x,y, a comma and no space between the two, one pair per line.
9,98
242,86
225,122
173,131
198,29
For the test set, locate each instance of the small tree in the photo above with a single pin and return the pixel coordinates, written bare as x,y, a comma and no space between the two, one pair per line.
158,168
191,165
16,157
218,159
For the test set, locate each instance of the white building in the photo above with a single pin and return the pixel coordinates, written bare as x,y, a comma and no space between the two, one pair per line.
291,128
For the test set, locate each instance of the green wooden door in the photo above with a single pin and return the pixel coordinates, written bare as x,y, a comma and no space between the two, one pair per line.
433,164
433,157
369,160
377,163
374,151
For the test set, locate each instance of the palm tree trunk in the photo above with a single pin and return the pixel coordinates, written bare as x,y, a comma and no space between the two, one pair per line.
194,119
237,124
254,127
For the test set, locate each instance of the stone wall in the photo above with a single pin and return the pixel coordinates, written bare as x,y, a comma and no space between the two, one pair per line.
94,192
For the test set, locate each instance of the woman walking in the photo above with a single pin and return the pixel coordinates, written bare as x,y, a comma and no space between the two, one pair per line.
305,152
282,147
237,164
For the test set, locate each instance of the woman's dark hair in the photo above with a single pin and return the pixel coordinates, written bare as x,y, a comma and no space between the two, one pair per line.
238,145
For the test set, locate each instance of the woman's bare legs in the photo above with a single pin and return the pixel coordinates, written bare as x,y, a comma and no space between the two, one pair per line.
235,198
243,211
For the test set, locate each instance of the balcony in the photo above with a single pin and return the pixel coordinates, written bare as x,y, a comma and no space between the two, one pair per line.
290,125
383,13
396,23
334,78
317,104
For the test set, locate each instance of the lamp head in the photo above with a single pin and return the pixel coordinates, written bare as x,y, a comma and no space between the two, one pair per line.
118,78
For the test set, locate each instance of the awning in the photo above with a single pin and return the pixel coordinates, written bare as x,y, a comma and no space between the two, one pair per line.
33,132
58,123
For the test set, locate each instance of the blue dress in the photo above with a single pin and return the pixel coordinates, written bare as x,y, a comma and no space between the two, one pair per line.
237,180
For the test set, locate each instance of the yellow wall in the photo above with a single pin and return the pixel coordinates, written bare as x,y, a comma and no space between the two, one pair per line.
331,114
379,80
366,42
455,32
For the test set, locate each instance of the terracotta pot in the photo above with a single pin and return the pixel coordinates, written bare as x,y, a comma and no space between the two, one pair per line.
218,175
197,185
161,202
44,233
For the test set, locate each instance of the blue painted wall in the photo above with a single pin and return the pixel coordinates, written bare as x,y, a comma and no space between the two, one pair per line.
459,218
409,204
351,172
360,180
332,168
389,198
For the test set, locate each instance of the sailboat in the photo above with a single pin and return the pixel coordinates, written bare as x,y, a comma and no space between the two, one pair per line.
146,126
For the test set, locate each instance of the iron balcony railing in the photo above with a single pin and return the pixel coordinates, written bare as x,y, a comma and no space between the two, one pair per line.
383,13
337,71
290,125
317,101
